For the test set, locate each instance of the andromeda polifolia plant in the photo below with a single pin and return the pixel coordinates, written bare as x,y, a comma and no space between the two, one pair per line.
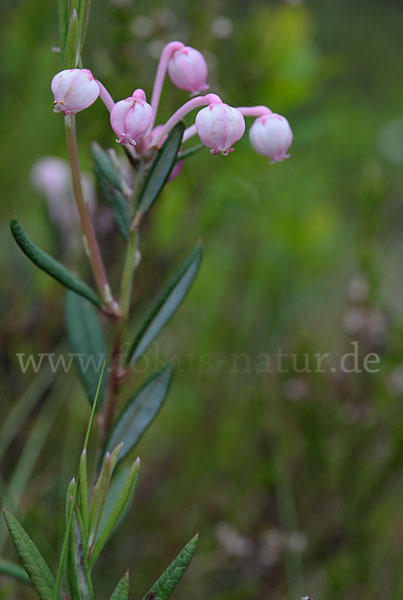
131,180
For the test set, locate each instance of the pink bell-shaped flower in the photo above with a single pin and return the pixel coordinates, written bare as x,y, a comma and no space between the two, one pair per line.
131,118
271,136
74,90
188,70
219,126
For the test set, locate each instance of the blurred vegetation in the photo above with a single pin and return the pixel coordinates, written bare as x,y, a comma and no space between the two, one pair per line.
293,479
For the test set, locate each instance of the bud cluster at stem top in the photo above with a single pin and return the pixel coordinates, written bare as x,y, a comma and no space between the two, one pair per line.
218,125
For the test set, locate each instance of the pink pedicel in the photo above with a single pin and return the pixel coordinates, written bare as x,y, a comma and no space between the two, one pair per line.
74,90
131,118
219,126
271,136
187,69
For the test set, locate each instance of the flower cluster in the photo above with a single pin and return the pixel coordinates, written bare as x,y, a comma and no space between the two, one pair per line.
218,125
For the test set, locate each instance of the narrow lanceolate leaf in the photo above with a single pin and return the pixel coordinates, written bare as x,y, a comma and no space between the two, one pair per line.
116,512
101,490
83,491
87,344
72,50
161,169
167,304
51,266
10,569
84,16
111,182
71,493
121,591
31,558
163,588
140,411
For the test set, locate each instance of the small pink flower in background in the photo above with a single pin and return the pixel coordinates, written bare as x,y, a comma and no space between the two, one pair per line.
131,118
188,70
74,90
271,136
219,126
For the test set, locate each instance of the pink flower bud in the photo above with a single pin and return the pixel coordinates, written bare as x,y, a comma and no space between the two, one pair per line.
188,70
219,126
131,118
271,136
74,90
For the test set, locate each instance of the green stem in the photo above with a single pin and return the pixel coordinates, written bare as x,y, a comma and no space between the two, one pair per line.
127,276
91,244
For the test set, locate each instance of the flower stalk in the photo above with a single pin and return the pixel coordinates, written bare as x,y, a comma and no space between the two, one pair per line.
111,307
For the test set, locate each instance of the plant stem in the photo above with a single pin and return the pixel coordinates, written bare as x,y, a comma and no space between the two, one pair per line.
94,254
116,369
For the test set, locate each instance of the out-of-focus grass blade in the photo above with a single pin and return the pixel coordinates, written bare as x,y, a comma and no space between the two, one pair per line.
31,558
116,513
10,569
167,304
161,169
140,411
163,588
22,408
32,449
51,266
63,20
121,591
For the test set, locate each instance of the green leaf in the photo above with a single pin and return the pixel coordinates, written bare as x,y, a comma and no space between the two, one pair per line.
83,491
87,343
111,182
167,304
31,558
48,264
140,411
10,569
84,17
116,512
189,152
72,50
100,492
163,588
161,169
121,591
71,493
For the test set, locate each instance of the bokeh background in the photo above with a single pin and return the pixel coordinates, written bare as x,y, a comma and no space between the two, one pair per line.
294,479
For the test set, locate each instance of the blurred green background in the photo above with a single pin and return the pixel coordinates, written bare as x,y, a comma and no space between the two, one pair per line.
294,479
